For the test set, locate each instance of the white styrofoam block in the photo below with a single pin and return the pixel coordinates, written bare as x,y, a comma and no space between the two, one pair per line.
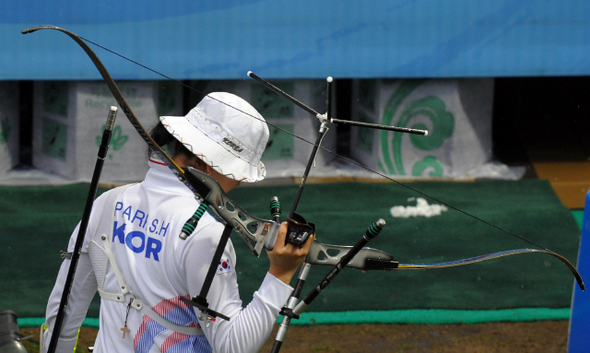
9,125
456,112
69,118
293,131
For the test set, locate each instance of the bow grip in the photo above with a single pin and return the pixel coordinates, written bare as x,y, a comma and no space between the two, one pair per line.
299,230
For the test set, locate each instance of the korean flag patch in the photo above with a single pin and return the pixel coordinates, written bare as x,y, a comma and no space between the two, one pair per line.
224,266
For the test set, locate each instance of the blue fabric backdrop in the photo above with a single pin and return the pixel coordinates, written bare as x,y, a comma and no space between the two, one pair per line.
295,39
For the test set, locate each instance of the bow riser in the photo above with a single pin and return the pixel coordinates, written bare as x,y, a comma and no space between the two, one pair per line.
257,232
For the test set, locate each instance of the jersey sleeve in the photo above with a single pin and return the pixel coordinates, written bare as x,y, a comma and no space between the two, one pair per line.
248,327
82,292
83,289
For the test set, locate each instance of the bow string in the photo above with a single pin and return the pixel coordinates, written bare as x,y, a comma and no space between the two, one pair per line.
372,259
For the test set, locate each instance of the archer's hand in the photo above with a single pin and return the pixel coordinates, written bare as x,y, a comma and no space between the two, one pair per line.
286,258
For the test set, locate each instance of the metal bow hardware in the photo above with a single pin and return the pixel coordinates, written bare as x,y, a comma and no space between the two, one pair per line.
259,233
256,232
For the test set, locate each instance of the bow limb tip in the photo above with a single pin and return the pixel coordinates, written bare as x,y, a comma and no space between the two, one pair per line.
580,281
33,29
29,30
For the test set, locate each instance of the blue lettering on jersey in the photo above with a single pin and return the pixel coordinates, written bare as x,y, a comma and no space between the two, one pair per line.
163,229
139,215
141,218
154,226
119,232
137,241
153,247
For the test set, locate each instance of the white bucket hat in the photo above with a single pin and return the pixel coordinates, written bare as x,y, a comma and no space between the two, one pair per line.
225,132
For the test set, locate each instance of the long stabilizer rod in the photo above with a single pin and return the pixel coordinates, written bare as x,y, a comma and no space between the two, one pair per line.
102,153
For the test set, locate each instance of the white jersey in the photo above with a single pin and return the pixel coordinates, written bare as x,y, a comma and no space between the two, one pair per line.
160,268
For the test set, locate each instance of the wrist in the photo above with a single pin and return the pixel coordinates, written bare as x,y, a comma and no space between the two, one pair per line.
282,275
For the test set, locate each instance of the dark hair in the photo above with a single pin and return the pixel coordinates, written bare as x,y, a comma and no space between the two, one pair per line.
168,142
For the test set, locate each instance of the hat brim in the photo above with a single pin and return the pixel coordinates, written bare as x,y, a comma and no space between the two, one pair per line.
216,155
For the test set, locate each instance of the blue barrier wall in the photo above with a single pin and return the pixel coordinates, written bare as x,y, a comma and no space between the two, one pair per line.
580,316
211,39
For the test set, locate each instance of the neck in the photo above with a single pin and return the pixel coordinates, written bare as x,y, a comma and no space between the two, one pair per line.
226,183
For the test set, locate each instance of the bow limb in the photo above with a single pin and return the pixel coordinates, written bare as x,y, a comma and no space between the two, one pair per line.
496,255
373,259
